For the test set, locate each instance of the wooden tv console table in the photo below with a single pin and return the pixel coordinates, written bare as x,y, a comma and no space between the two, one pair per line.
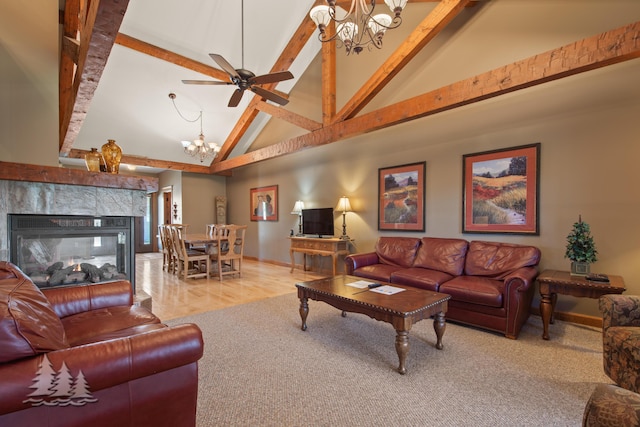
332,247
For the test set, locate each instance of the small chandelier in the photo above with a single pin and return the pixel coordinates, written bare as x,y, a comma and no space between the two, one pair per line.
197,147
358,28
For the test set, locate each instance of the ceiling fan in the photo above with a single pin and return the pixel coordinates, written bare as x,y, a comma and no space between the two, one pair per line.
245,79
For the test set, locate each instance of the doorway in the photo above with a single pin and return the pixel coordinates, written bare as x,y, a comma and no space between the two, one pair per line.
145,239
166,209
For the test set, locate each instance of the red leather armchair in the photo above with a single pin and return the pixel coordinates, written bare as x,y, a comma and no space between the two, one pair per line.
85,355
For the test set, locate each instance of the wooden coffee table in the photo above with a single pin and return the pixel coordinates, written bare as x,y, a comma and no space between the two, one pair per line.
401,310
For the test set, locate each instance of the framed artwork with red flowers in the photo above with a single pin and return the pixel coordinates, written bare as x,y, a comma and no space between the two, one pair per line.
501,190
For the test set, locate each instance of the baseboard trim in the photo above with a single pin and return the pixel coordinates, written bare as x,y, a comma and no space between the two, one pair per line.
580,319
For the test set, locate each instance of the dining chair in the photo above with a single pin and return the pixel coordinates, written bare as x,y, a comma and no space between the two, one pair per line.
229,249
167,247
190,262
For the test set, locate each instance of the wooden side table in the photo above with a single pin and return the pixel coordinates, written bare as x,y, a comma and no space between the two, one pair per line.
332,247
554,282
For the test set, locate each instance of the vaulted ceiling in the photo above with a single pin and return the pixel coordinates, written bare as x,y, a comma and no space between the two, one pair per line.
120,60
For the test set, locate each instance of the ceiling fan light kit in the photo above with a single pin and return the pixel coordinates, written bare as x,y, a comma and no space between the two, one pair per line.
357,28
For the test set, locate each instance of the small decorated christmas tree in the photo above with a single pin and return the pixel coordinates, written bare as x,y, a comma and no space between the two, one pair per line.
580,246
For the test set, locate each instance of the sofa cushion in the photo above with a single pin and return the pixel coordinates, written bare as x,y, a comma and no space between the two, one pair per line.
28,324
497,260
107,323
380,272
399,251
420,278
475,290
446,255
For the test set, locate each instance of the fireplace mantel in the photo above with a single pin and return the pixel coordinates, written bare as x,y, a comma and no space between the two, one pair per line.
53,175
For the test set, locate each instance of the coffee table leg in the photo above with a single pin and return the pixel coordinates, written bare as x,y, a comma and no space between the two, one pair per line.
304,311
439,326
402,348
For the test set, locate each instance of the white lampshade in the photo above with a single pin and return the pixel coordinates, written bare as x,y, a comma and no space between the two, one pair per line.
379,23
343,204
297,208
347,31
396,3
320,15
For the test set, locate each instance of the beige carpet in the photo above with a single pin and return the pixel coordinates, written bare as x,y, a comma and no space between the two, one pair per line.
259,368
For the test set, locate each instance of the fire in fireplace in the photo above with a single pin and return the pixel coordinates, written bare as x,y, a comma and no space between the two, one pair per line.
56,250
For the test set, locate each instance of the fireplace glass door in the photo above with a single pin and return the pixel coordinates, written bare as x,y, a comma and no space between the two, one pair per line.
65,251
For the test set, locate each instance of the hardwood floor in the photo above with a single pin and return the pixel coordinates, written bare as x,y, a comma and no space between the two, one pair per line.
173,297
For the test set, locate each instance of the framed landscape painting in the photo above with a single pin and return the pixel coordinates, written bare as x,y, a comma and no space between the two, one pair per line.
401,192
264,203
500,191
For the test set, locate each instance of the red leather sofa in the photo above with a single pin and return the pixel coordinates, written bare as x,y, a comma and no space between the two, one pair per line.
491,284
87,356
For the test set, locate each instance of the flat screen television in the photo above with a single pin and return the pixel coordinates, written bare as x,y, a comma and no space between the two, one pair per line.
317,222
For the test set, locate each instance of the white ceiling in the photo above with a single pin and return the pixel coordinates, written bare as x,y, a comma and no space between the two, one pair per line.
131,103
132,106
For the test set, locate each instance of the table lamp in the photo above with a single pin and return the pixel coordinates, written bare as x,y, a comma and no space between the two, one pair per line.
297,210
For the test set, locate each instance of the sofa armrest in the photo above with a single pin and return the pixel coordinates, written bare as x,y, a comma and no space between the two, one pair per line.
78,299
521,279
620,310
104,364
355,261
610,405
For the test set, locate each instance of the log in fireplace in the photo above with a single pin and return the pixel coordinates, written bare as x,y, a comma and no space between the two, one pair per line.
63,250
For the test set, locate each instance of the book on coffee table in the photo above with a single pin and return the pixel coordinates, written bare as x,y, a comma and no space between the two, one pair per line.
387,290
360,284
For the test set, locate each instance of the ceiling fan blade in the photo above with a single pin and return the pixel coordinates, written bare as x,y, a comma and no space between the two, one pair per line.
267,94
205,82
236,97
271,77
224,65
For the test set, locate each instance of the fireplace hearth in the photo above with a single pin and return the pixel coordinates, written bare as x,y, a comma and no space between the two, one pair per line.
66,250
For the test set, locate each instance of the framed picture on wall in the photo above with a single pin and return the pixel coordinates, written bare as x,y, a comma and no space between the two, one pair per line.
401,192
264,203
500,191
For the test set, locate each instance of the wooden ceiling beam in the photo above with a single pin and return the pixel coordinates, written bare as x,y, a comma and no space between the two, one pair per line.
611,47
426,31
329,77
174,58
98,29
68,61
145,161
288,116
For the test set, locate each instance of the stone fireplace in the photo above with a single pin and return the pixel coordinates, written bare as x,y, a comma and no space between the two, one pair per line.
93,211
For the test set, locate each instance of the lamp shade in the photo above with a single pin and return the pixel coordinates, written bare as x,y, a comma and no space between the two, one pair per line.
379,23
343,204
297,208
320,15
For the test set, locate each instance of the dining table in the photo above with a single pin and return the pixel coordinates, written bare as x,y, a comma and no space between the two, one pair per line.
201,240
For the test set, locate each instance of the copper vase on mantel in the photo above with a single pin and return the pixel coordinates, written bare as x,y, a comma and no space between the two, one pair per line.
112,154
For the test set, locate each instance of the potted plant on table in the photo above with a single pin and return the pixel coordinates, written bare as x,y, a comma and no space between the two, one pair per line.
581,249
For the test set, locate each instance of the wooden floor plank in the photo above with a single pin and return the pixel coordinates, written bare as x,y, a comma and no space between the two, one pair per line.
173,297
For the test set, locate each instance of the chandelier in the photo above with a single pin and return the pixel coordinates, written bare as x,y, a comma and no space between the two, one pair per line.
197,148
358,27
